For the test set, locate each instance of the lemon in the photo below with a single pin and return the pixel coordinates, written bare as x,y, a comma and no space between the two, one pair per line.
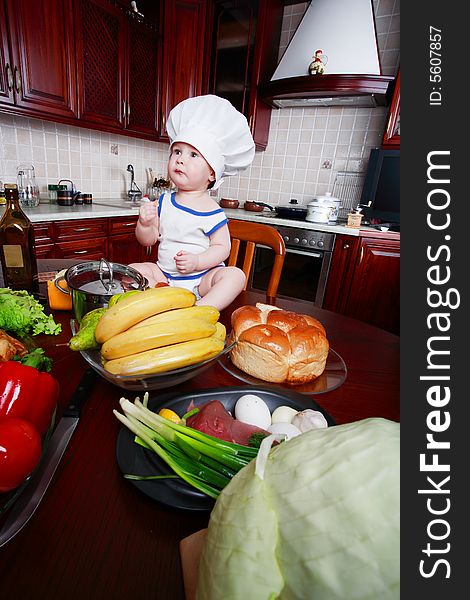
169,414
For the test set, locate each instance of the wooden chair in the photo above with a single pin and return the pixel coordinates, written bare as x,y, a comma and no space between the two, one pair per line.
252,234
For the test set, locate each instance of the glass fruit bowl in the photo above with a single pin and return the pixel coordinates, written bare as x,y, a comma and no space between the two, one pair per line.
149,382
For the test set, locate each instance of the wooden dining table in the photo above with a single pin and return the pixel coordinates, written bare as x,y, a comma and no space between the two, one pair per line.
95,535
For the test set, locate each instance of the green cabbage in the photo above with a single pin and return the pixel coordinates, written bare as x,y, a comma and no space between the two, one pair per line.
322,524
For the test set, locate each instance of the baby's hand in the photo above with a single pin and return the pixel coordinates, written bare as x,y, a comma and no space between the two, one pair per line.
186,262
147,213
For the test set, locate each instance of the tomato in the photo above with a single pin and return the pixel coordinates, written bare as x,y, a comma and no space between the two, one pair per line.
20,451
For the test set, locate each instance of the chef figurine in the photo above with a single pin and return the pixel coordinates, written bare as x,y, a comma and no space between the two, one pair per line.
317,66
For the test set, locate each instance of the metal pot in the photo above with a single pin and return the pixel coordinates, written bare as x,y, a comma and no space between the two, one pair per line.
93,283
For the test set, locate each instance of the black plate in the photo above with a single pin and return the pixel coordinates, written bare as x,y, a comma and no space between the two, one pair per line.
135,460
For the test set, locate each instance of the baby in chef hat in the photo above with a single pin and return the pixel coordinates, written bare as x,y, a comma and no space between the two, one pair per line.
209,141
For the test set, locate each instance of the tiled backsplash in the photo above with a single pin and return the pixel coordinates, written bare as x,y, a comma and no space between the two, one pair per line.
307,146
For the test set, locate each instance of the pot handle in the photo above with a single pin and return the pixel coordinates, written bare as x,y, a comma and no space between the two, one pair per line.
265,205
59,287
109,286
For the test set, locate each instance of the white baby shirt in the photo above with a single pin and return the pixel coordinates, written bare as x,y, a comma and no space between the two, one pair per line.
182,228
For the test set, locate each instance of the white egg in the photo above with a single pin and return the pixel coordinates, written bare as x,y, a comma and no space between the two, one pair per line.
283,414
253,410
290,430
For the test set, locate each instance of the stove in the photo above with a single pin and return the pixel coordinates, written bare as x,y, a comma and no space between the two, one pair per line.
296,237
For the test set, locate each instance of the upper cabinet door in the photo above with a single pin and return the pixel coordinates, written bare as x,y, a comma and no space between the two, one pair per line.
183,54
244,45
142,79
38,73
101,49
391,138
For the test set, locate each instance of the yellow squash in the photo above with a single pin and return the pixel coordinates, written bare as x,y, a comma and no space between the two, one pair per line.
155,336
208,313
132,309
167,358
220,331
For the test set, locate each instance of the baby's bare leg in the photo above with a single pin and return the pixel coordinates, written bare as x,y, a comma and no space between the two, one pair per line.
221,286
151,271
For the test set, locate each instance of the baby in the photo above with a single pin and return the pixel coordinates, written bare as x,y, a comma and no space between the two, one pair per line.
210,140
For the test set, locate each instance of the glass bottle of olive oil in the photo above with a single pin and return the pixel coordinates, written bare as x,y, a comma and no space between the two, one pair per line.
17,246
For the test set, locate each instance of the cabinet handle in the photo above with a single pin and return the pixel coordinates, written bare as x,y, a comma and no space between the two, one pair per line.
16,76
128,224
80,251
123,109
362,254
79,229
128,112
250,121
346,246
9,78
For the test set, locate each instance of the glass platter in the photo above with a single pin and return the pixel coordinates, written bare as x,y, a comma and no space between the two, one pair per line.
333,376
135,460
150,382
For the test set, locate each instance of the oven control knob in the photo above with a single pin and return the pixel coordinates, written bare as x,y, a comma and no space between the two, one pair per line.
296,240
286,238
304,241
312,242
320,243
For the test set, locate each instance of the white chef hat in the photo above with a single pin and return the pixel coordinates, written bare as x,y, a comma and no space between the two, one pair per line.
218,130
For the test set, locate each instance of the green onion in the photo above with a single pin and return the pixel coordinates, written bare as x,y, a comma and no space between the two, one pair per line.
203,461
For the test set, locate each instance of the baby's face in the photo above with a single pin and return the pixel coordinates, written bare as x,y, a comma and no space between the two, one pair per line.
188,169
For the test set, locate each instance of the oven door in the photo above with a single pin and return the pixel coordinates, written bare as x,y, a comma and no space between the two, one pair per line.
304,274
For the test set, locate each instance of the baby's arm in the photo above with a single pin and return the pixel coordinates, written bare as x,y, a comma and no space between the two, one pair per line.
146,230
218,251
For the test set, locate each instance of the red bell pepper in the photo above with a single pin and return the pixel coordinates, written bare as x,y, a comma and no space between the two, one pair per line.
27,393
20,451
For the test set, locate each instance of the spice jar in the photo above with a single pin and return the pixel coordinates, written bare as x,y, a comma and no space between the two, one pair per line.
87,198
53,189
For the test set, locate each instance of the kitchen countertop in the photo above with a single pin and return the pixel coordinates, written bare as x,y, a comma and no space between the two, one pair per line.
117,207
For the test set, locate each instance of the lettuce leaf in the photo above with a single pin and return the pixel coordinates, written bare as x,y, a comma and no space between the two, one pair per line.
22,313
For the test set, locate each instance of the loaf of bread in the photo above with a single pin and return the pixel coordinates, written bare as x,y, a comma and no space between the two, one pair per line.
277,345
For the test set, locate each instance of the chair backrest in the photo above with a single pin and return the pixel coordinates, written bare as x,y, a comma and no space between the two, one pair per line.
252,234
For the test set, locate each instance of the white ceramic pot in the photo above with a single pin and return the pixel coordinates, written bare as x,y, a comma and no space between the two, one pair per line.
330,200
319,212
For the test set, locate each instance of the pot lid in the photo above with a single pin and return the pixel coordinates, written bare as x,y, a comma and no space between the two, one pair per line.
104,278
293,205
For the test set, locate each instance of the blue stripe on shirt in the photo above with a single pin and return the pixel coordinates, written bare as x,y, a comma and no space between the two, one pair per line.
218,226
197,276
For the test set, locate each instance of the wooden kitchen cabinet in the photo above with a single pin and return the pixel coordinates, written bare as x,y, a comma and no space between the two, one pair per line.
37,58
183,55
118,68
91,239
364,280
123,246
243,41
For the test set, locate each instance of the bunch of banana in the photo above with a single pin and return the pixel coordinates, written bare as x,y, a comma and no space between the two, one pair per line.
157,330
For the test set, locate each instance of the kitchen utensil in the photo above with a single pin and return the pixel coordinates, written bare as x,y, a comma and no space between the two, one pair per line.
133,458
228,203
135,193
156,381
328,200
28,191
256,206
26,505
93,283
320,211
292,210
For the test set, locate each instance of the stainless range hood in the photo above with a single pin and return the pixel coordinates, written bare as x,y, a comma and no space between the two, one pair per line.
345,31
